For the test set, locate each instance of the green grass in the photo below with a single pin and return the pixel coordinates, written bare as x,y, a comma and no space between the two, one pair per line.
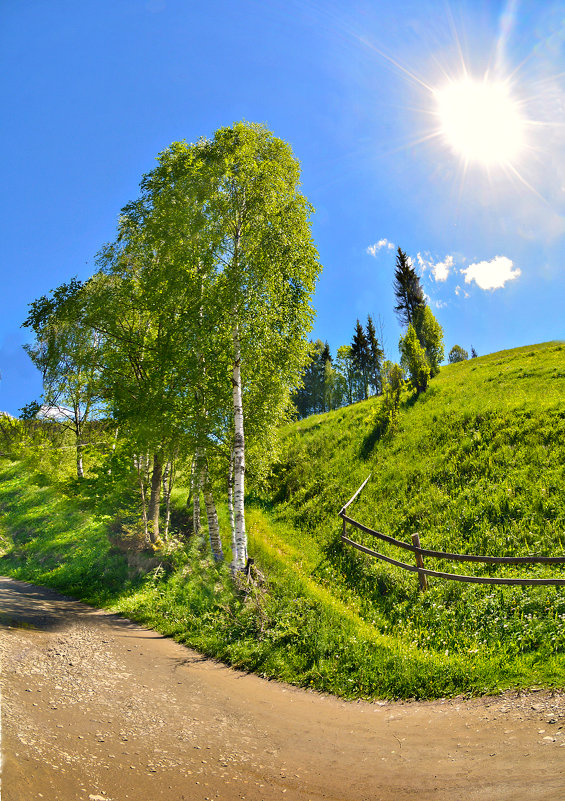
476,466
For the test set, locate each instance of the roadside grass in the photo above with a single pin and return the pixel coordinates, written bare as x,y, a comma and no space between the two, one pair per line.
477,466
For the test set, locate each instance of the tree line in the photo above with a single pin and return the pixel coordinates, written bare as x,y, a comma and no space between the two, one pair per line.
360,369
355,373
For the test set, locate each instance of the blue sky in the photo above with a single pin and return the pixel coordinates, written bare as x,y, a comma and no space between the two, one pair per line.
92,91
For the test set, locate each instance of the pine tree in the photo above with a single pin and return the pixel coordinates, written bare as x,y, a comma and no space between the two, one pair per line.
310,397
376,355
408,289
360,354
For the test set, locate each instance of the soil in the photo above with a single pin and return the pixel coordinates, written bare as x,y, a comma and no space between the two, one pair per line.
95,708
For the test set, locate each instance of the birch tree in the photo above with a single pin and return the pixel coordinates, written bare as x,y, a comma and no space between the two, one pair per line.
66,350
268,267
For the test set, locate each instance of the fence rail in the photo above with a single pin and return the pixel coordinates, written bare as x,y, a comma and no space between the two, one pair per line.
455,557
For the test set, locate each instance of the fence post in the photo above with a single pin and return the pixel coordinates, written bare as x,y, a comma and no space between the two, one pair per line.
420,562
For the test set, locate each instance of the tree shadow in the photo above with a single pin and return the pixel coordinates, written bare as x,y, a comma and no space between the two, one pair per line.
378,431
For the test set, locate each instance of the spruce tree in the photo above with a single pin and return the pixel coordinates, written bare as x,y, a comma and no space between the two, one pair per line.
310,397
360,354
408,289
376,355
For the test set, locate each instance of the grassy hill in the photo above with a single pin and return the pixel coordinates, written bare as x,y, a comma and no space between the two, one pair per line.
475,466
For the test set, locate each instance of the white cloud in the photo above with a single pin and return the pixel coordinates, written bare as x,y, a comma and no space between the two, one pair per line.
372,250
457,290
439,269
440,304
492,274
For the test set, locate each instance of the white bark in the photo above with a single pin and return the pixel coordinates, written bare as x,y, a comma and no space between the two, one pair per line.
196,479
240,557
80,469
231,510
168,476
212,515
140,464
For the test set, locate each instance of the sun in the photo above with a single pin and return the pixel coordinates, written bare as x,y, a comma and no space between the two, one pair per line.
481,121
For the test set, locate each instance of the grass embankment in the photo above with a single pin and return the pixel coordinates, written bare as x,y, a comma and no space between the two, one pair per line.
476,466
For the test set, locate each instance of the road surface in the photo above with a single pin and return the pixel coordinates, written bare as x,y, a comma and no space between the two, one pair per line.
95,708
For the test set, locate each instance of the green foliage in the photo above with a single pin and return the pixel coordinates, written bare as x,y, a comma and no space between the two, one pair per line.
360,356
66,351
310,397
458,354
345,367
430,335
393,384
376,356
414,360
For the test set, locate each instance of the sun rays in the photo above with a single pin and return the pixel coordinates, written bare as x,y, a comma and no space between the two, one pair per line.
477,112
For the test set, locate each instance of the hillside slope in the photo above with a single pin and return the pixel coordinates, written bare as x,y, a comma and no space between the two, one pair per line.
476,465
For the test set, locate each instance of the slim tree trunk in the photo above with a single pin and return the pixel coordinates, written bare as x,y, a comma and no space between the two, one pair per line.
240,559
114,443
155,499
140,467
212,515
168,477
196,480
80,469
230,508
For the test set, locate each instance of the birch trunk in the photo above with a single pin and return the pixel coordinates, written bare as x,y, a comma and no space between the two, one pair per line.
212,515
155,499
240,558
114,443
168,475
80,469
231,511
195,480
140,467
76,423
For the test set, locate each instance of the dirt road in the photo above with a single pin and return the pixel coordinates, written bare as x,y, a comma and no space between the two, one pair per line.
95,708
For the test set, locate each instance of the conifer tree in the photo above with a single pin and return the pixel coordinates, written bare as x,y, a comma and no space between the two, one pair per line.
360,354
376,355
310,397
408,289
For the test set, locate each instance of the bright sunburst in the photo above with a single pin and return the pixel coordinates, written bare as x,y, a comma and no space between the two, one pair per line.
481,121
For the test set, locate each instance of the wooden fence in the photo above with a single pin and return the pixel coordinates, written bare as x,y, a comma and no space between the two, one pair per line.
420,552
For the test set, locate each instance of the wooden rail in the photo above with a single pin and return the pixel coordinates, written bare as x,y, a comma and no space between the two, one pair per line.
459,557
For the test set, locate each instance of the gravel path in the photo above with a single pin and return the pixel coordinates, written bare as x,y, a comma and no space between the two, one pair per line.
95,708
